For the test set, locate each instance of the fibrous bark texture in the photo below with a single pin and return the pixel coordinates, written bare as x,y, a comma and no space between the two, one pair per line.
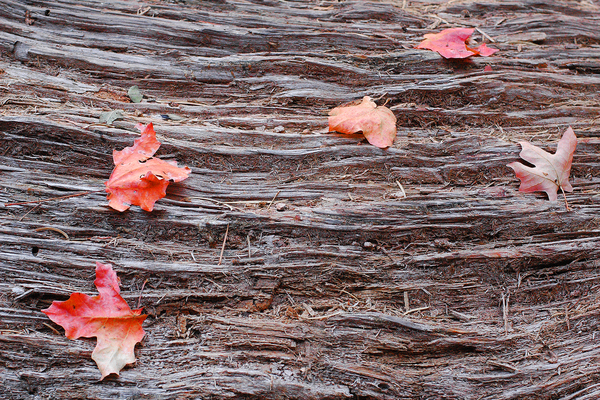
294,263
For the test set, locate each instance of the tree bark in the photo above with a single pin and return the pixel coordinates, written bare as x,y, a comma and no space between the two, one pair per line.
348,271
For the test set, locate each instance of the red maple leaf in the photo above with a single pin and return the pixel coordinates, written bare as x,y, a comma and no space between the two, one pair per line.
483,50
551,171
451,43
138,178
377,123
107,316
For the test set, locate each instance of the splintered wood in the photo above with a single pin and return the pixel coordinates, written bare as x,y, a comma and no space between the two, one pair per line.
292,261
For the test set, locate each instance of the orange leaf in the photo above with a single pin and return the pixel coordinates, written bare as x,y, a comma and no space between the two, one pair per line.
107,317
551,171
451,43
377,123
138,179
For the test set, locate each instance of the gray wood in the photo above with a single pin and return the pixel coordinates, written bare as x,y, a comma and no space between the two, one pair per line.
419,271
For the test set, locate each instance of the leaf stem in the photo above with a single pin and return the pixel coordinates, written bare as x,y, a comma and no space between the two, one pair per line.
565,197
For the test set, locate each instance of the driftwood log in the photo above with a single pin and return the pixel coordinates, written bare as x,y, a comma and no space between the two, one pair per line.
348,271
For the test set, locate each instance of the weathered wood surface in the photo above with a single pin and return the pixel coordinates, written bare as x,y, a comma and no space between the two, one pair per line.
340,287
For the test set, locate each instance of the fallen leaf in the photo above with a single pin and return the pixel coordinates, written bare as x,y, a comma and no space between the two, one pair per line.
107,317
451,43
108,117
134,94
483,50
175,117
551,171
138,178
377,123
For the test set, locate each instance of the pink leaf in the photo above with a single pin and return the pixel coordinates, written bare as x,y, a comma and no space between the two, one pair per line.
484,51
551,171
451,43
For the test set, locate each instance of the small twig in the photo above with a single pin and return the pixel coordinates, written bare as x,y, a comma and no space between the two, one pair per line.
401,188
223,247
217,202
505,299
141,290
349,294
143,11
194,258
51,327
504,366
250,260
387,37
249,253
439,19
28,212
381,97
290,298
406,304
214,283
384,251
271,203
159,300
245,202
416,310
488,37
460,315
10,332
51,199
51,228
323,316
23,295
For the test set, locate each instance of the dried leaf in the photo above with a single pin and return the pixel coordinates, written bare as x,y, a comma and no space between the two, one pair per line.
138,178
134,94
175,117
451,43
377,123
107,317
551,171
108,117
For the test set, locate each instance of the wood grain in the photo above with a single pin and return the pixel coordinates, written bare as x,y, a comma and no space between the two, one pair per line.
349,272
